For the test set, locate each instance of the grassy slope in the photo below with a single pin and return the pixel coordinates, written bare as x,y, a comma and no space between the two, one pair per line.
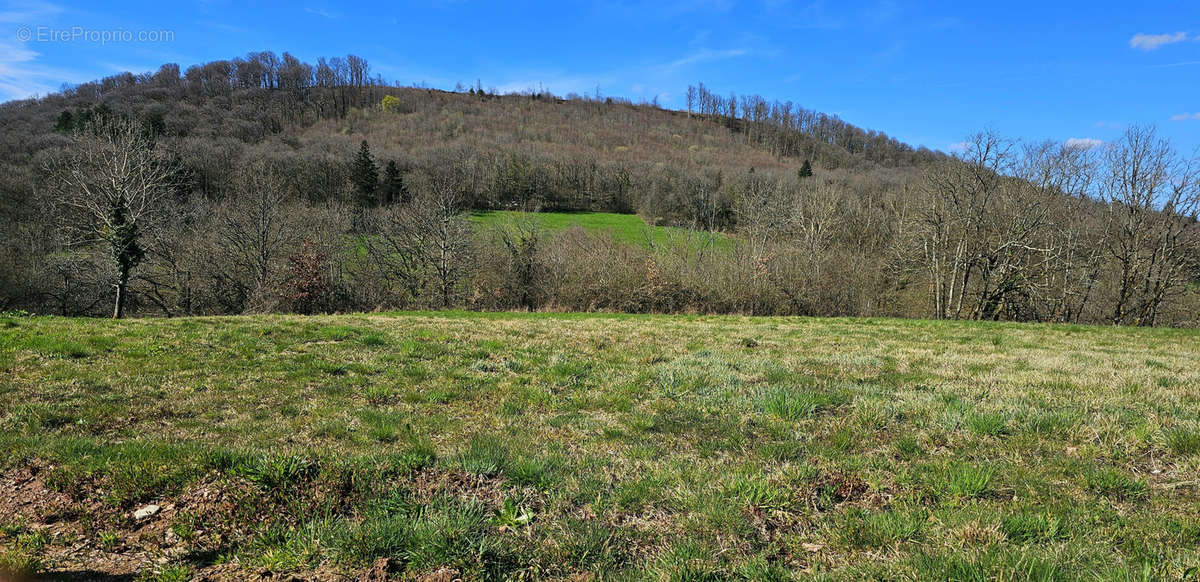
644,446
625,228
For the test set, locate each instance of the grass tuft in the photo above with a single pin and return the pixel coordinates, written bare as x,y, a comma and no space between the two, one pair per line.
988,423
1033,528
485,455
868,530
959,480
796,404
1183,440
1114,483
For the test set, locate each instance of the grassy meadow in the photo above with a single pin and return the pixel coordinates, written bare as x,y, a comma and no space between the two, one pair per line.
546,446
623,228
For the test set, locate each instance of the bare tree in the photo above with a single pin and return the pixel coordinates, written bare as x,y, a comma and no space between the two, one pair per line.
442,229
814,220
522,239
1064,173
110,183
761,207
1153,196
254,230
395,252
980,230
428,242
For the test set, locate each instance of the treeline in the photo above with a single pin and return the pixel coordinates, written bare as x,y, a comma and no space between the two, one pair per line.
263,247
281,186
784,127
532,150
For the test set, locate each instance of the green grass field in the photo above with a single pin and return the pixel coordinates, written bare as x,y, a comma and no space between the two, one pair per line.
624,228
516,446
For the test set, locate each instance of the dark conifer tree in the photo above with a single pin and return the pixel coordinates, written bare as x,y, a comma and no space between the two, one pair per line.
365,175
65,123
394,189
805,170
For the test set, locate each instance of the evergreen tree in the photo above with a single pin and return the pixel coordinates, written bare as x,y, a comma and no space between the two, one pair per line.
65,123
394,189
365,175
805,170
154,125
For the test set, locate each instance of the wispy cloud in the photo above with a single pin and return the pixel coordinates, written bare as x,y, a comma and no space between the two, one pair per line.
645,81
1179,64
812,15
29,13
21,76
18,79
1084,143
1186,117
322,13
959,146
1149,42
705,55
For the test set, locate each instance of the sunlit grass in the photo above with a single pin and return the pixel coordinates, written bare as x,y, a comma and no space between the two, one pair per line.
631,447
624,228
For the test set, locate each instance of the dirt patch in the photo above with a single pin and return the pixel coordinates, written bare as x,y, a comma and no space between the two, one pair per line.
91,538
440,575
88,539
836,488
25,487
429,483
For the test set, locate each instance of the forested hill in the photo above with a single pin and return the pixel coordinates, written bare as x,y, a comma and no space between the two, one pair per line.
346,170
561,153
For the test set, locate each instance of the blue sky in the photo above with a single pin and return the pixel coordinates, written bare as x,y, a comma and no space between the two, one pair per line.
928,73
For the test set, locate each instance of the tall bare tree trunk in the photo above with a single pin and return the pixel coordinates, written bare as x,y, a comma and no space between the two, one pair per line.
122,286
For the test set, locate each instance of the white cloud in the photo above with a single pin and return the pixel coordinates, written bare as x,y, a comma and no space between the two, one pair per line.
1149,42
557,84
1185,117
959,147
1084,143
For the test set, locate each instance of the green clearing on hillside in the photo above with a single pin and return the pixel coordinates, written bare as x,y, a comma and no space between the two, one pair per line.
541,446
624,228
